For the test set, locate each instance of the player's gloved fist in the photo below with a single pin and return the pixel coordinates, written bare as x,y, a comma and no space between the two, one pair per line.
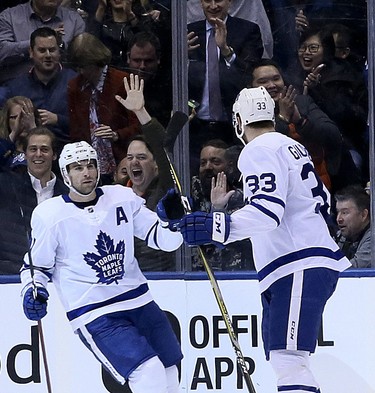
170,210
35,308
200,228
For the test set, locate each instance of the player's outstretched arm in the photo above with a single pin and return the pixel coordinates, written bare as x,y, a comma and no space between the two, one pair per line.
201,228
170,210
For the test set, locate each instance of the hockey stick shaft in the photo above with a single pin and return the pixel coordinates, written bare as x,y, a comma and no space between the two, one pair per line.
40,327
174,127
44,355
216,289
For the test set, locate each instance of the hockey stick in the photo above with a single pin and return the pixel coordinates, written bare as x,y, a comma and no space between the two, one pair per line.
35,292
175,125
174,131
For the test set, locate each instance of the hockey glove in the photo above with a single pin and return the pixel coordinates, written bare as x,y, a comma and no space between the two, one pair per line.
200,228
170,210
35,308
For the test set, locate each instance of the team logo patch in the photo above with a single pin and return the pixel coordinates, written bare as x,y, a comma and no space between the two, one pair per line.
109,262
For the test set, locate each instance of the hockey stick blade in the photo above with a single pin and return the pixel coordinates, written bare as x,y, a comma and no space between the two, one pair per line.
174,127
215,287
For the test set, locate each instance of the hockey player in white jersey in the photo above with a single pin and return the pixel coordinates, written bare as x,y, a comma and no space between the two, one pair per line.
84,243
296,259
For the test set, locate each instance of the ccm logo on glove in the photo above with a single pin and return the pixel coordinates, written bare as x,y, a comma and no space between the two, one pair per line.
218,230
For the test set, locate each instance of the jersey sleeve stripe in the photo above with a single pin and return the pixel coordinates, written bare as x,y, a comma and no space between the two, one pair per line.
152,232
266,212
132,294
270,199
45,271
297,256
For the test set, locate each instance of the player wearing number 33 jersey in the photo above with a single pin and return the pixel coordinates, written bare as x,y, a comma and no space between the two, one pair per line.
285,205
296,259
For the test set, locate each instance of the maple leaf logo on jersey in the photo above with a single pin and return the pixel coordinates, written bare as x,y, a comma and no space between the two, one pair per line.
109,263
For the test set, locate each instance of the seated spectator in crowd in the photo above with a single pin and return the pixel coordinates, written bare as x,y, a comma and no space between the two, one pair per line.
82,7
339,91
353,220
17,118
144,59
214,160
95,115
148,170
299,117
345,44
17,24
20,193
290,18
220,48
116,22
10,3
155,18
121,174
253,11
46,84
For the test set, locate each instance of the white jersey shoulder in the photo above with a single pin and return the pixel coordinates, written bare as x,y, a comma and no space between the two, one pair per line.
88,251
285,205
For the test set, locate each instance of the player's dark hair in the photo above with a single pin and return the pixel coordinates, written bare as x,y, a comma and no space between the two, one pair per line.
357,194
262,124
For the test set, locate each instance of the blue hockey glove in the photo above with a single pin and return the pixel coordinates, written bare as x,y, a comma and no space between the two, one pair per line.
170,210
35,308
200,228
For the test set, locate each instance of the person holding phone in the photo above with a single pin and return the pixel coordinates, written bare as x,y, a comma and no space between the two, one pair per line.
339,92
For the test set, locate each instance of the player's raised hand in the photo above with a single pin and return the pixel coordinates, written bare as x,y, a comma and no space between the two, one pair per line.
219,194
134,100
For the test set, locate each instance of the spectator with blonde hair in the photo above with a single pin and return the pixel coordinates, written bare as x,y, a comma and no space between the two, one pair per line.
17,118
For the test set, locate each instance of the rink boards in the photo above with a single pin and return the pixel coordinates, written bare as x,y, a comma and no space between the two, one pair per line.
342,363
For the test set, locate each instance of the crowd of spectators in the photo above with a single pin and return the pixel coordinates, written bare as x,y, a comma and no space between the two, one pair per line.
62,70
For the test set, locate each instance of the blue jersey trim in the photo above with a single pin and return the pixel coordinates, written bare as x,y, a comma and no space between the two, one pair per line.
266,212
132,294
269,198
81,205
298,255
152,229
293,388
40,269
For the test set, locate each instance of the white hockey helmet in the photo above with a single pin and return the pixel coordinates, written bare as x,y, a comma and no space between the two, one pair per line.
76,152
252,105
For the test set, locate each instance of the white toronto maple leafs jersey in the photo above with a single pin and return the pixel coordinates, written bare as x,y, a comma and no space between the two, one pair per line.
285,200
88,251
